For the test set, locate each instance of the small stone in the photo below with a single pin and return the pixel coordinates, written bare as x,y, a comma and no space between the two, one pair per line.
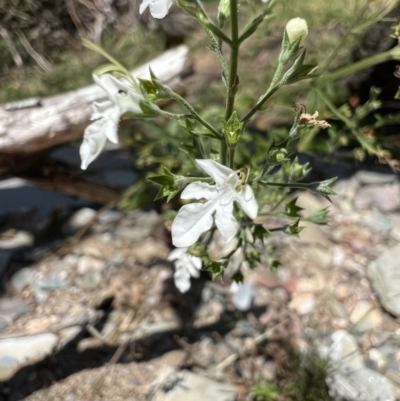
90,280
320,256
377,360
384,276
89,264
8,366
314,283
109,216
385,198
303,304
359,385
342,291
51,283
22,278
40,295
11,309
372,177
118,259
20,240
189,386
378,222
344,348
19,351
81,218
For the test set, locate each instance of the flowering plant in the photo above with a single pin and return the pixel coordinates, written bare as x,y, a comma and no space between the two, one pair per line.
235,188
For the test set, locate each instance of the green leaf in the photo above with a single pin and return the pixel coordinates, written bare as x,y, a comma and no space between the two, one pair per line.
217,268
259,232
293,228
291,209
323,188
320,217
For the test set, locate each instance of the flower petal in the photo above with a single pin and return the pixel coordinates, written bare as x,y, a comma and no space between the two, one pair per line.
247,201
194,265
144,5
200,190
217,171
110,114
226,223
159,8
93,143
182,280
191,221
177,253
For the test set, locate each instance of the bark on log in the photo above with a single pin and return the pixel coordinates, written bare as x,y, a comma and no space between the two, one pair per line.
37,124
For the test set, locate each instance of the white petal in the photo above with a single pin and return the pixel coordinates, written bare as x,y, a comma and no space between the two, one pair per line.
110,114
191,221
144,5
193,266
248,202
120,92
159,8
226,223
200,190
217,171
93,142
243,296
177,253
182,280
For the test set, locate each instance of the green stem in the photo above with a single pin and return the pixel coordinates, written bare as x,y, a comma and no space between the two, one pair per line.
195,115
233,81
231,157
273,87
223,152
232,78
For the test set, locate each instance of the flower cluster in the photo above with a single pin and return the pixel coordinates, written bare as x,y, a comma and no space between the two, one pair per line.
123,97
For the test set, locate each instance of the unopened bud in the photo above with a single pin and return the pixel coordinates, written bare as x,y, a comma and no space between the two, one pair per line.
296,28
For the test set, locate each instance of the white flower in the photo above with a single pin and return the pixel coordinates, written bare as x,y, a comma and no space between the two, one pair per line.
158,8
296,28
123,97
243,295
194,219
186,266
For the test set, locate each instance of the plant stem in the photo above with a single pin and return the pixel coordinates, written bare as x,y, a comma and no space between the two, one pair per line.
232,79
231,157
195,115
273,87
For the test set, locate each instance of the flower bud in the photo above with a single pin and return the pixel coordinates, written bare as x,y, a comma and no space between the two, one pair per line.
296,28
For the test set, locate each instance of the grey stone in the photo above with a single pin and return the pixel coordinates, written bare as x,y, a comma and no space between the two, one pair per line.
378,222
386,198
189,386
18,351
81,218
21,239
11,309
384,274
243,295
372,177
362,384
109,216
344,349
22,278
51,283
40,295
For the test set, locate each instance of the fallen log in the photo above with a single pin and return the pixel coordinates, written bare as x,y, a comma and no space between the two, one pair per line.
37,124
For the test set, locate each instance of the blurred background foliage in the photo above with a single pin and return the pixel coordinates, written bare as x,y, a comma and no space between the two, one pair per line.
41,54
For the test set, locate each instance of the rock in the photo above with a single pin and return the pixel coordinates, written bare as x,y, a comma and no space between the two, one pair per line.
384,276
21,239
80,219
365,316
88,264
11,309
109,216
22,278
189,386
385,198
303,304
372,177
344,349
320,256
52,283
377,360
18,351
40,295
378,222
359,385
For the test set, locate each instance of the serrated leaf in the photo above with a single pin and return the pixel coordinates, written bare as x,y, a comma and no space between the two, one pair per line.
291,209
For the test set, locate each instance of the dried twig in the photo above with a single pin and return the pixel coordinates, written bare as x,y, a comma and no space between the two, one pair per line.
13,50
